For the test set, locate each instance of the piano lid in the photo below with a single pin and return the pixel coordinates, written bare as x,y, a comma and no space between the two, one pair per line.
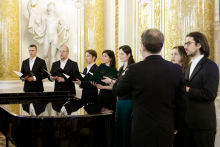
35,97
49,104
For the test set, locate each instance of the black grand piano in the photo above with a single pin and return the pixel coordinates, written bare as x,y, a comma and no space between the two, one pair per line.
88,125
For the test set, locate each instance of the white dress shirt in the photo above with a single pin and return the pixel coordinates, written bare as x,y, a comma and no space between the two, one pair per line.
63,63
194,63
31,64
89,67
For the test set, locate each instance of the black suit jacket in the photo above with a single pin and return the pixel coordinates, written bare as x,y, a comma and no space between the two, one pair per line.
89,92
203,90
157,86
35,86
69,68
39,73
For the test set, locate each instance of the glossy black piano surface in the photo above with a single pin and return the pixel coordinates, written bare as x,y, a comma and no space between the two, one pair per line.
84,125
34,97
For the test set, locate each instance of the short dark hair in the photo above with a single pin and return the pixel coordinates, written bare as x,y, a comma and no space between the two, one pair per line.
92,52
111,55
153,40
198,37
32,45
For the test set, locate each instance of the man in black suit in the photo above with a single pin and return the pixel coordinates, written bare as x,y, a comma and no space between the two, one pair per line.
34,84
89,92
62,84
202,78
157,87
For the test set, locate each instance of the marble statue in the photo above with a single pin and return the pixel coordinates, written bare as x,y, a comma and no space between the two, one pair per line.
44,28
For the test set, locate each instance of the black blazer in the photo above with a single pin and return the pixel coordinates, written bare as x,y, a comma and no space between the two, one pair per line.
40,74
89,92
203,90
157,86
69,68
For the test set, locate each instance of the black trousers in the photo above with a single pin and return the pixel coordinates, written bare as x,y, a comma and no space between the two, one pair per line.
198,137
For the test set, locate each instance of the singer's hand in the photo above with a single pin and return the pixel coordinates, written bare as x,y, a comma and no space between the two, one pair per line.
77,82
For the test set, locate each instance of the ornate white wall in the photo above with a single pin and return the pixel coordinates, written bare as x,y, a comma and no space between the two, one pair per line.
66,11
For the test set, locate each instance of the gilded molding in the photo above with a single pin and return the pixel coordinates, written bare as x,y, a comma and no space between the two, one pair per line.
157,14
94,27
9,39
116,34
144,20
183,17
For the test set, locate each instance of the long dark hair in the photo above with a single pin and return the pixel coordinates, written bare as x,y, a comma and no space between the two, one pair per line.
111,55
127,50
198,37
184,62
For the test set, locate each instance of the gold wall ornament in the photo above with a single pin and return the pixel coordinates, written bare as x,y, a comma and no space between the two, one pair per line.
180,18
9,39
183,17
94,27
158,14
116,33
144,21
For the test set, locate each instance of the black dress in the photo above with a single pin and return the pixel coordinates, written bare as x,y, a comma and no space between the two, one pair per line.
108,100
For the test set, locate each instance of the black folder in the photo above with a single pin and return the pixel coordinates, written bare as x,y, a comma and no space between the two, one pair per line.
76,75
28,73
106,71
58,73
90,77
92,70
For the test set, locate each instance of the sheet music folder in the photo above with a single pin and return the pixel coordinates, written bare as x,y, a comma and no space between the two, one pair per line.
28,73
58,73
76,75
106,71
90,77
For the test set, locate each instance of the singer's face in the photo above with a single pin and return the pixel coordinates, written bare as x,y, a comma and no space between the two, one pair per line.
64,53
105,58
123,56
175,56
190,47
89,58
32,52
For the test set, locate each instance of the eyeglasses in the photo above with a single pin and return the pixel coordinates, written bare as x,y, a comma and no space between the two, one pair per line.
187,43
61,51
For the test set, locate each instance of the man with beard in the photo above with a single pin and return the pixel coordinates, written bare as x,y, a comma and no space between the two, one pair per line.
202,78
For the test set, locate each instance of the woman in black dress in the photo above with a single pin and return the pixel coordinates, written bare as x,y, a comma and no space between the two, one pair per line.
124,103
106,98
